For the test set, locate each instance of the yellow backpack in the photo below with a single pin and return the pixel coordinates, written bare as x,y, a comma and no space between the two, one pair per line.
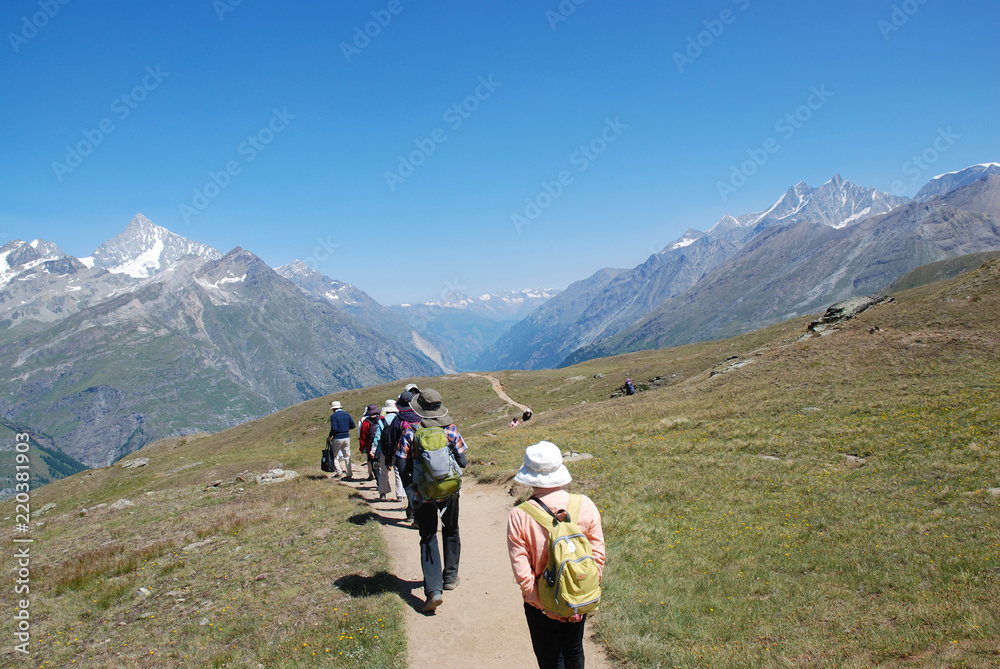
571,582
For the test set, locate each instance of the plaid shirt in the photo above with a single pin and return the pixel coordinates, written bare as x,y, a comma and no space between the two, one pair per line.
455,442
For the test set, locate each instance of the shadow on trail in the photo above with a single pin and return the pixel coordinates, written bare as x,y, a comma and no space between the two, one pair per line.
355,585
383,582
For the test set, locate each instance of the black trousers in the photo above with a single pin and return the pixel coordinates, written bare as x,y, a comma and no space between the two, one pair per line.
426,515
557,645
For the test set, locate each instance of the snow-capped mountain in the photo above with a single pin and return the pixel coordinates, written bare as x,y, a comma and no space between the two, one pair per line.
837,203
175,338
17,256
462,327
607,304
502,305
949,181
144,249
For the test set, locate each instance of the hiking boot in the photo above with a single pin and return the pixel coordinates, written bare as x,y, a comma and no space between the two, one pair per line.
451,585
434,600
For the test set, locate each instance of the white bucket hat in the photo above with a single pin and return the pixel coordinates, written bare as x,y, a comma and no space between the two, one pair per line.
543,467
389,407
335,405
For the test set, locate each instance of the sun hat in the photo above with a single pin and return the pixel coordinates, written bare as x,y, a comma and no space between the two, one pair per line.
390,407
543,467
335,405
411,388
371,410
404,399
430,407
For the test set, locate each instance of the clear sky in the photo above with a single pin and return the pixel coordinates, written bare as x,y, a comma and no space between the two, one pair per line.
475,145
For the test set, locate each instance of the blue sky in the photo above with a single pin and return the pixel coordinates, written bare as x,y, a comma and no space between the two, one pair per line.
540,141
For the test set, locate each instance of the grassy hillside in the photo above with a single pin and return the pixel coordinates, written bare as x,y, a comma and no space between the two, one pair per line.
832,502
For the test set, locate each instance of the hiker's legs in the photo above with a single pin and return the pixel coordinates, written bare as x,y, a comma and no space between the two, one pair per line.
403,481
383,476
342,450
572,644
451,540
557,645
426,515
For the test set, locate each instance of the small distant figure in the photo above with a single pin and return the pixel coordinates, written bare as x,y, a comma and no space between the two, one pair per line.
526,416
339,440
629,386
366,432
513,423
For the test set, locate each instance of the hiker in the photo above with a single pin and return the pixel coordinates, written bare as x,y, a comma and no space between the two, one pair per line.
341,425
435,496
629,386
526,416
404,417
513,422
365,434
557,638
384,454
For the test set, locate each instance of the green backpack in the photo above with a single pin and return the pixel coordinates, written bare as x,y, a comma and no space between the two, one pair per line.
436,474
571,582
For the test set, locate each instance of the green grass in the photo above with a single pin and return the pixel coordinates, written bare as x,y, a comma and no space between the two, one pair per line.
721,558
742,529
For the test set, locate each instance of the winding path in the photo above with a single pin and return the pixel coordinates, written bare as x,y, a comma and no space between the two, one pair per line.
498,389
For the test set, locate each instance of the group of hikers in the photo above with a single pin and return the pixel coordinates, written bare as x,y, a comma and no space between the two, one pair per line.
554,540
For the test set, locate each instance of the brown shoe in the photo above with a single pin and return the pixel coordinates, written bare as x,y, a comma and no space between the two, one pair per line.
434,600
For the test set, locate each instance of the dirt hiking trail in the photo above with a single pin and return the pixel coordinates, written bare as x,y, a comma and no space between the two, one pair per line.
481,622
498,389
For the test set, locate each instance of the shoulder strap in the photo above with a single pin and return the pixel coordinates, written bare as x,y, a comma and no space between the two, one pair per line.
573,508
544,518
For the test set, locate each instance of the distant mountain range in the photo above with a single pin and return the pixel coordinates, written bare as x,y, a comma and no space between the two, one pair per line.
156,335
459,328
813,246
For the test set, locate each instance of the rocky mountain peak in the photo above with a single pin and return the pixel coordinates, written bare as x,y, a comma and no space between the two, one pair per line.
944,183
18,255
144,249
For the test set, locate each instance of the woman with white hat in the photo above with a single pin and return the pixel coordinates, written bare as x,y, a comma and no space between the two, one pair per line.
557,640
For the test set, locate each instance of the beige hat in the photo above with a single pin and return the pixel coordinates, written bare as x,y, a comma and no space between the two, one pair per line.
430,407
390,407
335,405
543,467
